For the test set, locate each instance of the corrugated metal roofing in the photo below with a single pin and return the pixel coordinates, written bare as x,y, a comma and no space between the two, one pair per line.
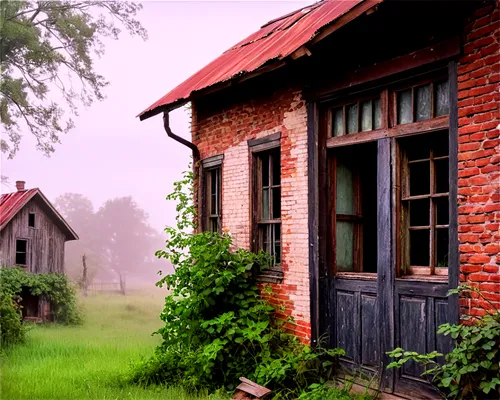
276,40
12,203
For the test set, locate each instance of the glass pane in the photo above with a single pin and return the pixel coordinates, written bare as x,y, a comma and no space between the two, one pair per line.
441,99
213,225
344,237
266,237
21,246
366,116
442,248
419,212
213,191
419,178
277,243
442,213
441,171
440,143
423,103
338,121
265,204
352,118
265,169
404,107
419,248
377,114
276,168
276,202
345,190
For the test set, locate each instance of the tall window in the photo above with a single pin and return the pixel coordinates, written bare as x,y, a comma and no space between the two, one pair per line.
212,207
31,220
267,196
21,251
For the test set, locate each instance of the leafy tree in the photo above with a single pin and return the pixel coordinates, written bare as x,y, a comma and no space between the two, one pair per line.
45,47
126,236
78,211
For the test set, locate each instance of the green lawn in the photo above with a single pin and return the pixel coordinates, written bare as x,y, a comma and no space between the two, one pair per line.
87,361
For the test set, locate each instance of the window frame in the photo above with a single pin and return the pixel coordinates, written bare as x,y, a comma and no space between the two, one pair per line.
26,252
208,165
259,147
30,216
390,129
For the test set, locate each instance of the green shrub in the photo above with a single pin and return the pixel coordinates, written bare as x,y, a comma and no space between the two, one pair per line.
56,287
471,370
217,326
12,330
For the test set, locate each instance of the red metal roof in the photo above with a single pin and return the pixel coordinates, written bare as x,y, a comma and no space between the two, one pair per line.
276,40
12,203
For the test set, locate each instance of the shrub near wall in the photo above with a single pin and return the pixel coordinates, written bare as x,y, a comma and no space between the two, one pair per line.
11,329
56,287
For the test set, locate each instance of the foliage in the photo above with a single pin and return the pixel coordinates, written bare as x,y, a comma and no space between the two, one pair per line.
55,287
12,330
217,326
471,370
47,46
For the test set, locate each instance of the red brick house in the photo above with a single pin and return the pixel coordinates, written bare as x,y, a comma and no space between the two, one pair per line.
358,142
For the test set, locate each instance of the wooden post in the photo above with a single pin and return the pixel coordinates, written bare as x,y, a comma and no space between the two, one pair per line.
84,278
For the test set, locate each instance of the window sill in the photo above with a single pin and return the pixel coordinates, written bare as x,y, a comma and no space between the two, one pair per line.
369,276
270,275
425,278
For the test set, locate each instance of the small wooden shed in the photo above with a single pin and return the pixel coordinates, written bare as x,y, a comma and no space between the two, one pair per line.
32,237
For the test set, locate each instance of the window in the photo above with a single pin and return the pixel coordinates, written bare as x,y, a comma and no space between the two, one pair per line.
360,116
31,220
266,197
355,224
425,204
21,251
212,207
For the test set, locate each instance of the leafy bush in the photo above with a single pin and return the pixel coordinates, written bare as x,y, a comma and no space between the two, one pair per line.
55,287
12,330
217,326
471,370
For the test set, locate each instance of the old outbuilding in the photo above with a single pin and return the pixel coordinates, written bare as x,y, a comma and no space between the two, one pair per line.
358,142
32,237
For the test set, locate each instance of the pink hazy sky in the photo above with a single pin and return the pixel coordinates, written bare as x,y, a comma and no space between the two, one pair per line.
110,153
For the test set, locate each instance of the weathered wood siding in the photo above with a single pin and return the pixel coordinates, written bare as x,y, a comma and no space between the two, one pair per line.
45,247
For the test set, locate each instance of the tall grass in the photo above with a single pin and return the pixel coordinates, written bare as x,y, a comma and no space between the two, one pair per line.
88,361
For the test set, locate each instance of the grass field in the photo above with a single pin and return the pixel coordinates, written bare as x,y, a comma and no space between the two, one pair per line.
87,361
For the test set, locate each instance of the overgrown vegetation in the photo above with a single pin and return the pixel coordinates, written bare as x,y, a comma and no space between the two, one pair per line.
471,370
218,327
12,330
56,287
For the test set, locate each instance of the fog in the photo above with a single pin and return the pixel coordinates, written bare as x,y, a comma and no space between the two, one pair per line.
110,153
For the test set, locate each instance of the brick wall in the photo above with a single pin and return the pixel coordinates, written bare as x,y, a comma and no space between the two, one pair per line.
226,131
479,157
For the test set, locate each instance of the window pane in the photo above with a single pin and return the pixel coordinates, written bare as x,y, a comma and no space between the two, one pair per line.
377,114
345,190
277,243
21,246
440,143
366,116
442,247
31,220
276,168
419,212
352,118
344,237
404,107
265,169
441,99
338,121
423,103
276,202
419,178
419,248
213,191
265,204
441,172
214,226
442,213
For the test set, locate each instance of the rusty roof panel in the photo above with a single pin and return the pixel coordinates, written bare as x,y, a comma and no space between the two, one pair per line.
276,40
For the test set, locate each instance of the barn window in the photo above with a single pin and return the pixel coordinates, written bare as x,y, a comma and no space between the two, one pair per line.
212,193
267,196
31,220
355,203
425,204
21,251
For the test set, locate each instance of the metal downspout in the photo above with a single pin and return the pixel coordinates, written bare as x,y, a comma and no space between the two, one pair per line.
187,143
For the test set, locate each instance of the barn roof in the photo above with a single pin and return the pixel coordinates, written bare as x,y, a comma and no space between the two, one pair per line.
265,49
12,203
